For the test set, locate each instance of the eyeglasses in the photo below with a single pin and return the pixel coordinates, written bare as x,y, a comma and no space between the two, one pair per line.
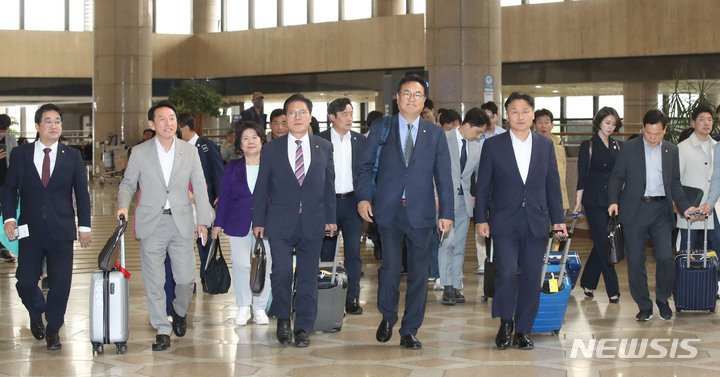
52,123
407,94
297,113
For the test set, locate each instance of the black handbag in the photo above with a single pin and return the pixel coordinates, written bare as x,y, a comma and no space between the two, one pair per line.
615,241
217,274
107,259
258,266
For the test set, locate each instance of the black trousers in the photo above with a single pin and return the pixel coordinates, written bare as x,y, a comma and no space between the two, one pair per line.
350,222
597,263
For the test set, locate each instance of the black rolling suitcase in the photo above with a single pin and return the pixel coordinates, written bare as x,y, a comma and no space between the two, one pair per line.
696,277
489,276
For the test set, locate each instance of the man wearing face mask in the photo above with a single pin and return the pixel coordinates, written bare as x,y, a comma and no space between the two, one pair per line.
255,113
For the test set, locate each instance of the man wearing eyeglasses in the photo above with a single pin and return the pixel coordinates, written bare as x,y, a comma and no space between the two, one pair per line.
414,156
294,207
46,174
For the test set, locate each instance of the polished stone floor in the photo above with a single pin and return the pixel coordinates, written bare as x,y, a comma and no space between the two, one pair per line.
457,340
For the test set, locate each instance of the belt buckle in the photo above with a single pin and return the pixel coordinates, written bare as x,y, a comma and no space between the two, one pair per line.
403,202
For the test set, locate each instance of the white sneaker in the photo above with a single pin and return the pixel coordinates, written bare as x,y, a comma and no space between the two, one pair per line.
260,317
437,286
243,316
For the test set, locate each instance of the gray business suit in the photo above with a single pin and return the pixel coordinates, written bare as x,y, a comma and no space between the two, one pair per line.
160,234
641,218
452,250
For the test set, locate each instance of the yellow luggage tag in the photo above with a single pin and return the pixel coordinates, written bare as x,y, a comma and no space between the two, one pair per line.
711,254
553,284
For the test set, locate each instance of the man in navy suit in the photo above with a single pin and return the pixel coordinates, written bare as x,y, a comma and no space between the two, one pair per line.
45,175
414,156
517,195
347,145
294,206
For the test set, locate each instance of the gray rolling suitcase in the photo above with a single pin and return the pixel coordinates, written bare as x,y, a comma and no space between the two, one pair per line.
332,290
109,303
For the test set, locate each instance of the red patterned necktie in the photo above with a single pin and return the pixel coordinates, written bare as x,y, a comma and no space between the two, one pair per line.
46,167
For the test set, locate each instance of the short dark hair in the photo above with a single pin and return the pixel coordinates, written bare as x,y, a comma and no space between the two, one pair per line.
699,109
276,113
371,118
476,117
185,119
297,97
248,125
604,113
410,78
163,103
544,113
514,96
5,122
449,116
490,106
338,105
655,116
149,130
44,108
429,104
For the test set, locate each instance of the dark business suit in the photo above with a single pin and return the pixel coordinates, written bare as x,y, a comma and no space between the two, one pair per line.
413,222
518,215
277,204
593,177
641,218
251,114
349,221
49,214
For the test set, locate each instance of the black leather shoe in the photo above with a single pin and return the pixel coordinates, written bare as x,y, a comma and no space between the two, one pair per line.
503,338
353,307
179,324
37,327
203,282
644,315
665,311
53,341
162,342
384,331
283,332
459,298
448,297
301,339
587,292
522,341
410,342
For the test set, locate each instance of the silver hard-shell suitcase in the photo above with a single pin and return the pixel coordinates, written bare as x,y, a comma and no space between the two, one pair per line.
332,292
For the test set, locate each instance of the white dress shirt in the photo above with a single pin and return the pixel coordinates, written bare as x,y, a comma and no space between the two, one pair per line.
193,140
307,152
342,157
166,163
523,151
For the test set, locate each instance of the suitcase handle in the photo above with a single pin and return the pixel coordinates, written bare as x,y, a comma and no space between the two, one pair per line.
704,216
563,261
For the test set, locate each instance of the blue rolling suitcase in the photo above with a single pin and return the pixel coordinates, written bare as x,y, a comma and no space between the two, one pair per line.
696,278
573,266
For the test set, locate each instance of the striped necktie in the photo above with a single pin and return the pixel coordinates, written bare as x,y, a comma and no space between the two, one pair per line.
299,163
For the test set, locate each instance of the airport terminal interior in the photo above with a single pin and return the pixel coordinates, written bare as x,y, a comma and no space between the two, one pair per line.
104,62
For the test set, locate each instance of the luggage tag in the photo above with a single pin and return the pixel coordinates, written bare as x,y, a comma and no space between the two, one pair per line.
553,284
711,254
21,232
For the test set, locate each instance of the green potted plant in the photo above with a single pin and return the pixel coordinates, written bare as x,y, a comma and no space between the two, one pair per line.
678,106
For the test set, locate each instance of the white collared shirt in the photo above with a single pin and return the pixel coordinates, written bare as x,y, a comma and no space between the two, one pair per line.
166,163
523,152
342,157
292,147
193,140
39,156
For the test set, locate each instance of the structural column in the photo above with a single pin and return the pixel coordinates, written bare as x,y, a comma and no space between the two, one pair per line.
638,98
206,16
462,39
382,8
122,73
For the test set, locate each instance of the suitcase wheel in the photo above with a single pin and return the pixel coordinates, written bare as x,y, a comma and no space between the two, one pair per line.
555,332
336,329
97,348
120,348
711,310
483,299
678,310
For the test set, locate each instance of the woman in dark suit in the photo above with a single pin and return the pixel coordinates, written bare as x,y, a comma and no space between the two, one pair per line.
595,162
234,215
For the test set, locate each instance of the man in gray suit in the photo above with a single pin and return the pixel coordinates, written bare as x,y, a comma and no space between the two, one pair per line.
645,182
464,160
165,167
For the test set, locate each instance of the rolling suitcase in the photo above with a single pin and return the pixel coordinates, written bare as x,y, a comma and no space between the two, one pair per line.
332,291
696,277
109,303
573,266
489,275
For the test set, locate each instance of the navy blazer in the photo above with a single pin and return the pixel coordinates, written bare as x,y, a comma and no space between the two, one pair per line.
234,208
358,144
594,181
501,197
212,164
430,161
53,203
278,195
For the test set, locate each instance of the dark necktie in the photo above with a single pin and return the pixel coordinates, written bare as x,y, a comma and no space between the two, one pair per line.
407,150
46,167
463,162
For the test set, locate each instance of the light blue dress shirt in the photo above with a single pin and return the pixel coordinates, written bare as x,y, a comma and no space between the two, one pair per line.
653,170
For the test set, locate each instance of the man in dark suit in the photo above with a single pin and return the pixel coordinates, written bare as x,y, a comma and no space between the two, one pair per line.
45,175
516,198
643,186
294,206
213,168
414,156
255,113
347,145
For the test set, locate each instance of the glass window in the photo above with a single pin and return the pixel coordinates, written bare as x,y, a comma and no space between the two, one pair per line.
9,14
616,102
579,107
236,15
81,15
550,103
265,14
357,9
508,3
325,10
173,16
294,12
44,15
417,7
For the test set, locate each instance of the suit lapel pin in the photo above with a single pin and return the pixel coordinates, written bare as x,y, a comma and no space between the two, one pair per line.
62,151
424,131
317,146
